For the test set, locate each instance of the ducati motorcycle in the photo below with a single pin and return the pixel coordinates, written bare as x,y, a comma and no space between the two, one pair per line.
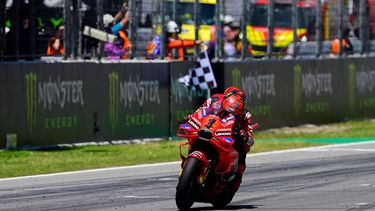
211,165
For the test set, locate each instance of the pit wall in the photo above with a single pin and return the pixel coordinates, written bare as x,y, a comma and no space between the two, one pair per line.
46,104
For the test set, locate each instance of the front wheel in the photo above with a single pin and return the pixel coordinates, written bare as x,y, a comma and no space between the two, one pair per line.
187,187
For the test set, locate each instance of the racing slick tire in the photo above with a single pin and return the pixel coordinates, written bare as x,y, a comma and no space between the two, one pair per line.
187,187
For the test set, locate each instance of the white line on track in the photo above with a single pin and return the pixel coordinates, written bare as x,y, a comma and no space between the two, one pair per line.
178,162
336,149
325,147
362,203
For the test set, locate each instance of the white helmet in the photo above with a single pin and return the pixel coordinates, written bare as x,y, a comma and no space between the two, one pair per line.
172,27
228,19
107,19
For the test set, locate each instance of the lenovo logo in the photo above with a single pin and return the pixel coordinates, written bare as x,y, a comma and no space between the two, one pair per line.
223,133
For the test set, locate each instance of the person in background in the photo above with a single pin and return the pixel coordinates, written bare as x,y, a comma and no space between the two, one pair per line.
231,38
117,26
22,29
56,44
120,21
112,51
232,44
172,42
347,47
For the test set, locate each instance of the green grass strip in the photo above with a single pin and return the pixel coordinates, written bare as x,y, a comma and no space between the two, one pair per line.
27,162
318,140
31,162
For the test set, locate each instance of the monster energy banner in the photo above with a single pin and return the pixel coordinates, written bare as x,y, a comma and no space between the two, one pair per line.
60,103
318,94
361,87
265,85
291,92
48,103
138,102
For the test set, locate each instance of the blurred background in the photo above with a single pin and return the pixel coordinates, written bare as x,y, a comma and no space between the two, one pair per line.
231,29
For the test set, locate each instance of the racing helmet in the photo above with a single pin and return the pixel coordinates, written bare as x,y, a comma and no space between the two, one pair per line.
234,90
233,104
234,100
172,27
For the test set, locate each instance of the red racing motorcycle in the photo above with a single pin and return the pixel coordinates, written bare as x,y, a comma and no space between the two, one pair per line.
212,162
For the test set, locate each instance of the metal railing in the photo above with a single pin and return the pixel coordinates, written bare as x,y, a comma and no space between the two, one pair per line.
300,28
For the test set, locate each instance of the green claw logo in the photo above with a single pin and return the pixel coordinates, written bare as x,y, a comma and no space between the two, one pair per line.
113,100
31,101
236,77
297,88
352,87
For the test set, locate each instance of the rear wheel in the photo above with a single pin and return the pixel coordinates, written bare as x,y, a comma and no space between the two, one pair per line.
187,187
223,200
226,197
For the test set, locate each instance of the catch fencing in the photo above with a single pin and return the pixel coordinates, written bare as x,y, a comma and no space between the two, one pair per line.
299,28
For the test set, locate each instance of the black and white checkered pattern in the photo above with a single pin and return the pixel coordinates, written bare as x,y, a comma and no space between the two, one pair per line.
202,76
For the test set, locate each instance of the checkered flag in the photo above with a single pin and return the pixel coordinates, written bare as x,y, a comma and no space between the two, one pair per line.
202,76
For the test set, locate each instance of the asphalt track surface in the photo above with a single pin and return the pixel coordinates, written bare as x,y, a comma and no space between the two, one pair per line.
337,177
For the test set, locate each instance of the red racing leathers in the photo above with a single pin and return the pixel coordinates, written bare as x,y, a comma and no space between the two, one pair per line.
242,129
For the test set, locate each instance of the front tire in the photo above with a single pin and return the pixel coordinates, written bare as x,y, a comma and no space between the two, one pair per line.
187,187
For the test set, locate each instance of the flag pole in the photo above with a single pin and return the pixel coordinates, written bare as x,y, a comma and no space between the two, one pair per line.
204,48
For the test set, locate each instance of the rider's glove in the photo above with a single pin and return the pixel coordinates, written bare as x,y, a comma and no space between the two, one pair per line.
246,137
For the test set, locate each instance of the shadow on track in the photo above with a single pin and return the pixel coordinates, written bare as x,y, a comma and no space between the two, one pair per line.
229,207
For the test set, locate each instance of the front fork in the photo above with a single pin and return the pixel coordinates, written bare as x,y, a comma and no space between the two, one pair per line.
199,155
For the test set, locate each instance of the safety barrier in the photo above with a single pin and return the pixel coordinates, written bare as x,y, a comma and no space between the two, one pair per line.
46,104
290,92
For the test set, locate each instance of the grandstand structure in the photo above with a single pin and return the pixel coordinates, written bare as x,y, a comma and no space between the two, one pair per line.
300,28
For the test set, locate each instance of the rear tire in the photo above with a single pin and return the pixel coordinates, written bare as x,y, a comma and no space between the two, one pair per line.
226,197
223,200
187,187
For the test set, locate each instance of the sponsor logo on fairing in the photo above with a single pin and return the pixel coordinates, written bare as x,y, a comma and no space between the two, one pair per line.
223,133
185,126
193,124
227,119
228,140
204,111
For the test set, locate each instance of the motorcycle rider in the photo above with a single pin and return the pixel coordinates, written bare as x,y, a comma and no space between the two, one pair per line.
233,103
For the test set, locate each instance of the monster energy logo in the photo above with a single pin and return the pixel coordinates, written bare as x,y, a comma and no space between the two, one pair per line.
352,85
236,77
297,89
113,99
31,101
